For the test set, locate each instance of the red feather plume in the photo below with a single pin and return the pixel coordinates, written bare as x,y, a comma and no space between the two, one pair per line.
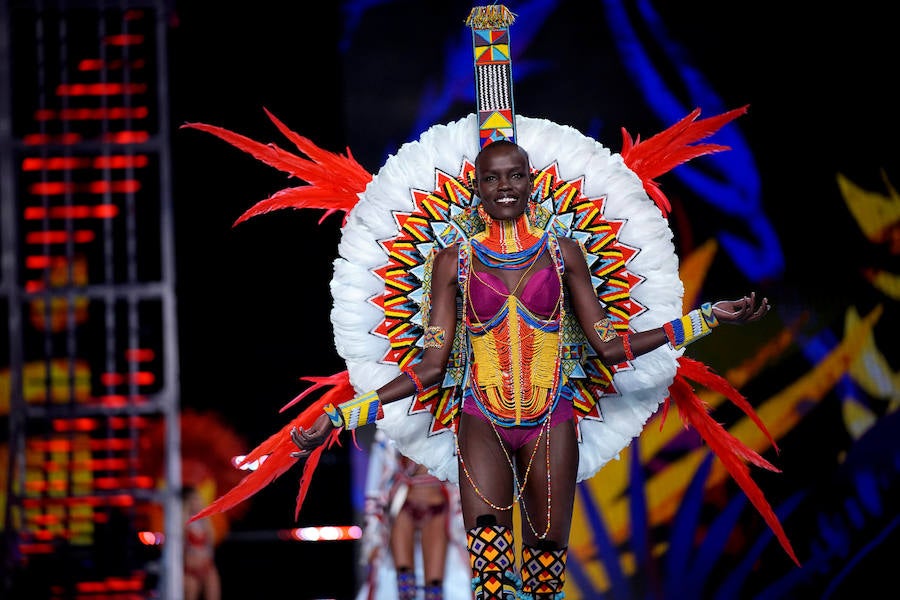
672,147
274,453
730,450
334,181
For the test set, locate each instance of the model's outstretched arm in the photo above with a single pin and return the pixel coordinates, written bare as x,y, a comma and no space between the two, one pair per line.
613,347
439,334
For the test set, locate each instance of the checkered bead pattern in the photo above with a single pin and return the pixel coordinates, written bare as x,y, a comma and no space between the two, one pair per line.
491,555
543,572
691,327
406,585
361,410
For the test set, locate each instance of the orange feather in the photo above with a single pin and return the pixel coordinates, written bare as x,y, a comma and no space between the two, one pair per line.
274,453
334,182
730,450
672,147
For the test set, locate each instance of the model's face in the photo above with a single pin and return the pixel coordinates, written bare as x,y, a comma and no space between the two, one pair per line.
503,181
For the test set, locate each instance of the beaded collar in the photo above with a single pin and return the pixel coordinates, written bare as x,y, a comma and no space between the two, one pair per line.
508,244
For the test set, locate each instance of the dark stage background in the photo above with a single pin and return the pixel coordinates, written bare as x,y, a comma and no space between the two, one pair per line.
254,300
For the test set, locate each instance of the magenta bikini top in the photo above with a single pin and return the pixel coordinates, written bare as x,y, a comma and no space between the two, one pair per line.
540,294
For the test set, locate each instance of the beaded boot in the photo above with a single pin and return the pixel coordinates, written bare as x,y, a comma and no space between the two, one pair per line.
543,571
406,584
492,557
434,590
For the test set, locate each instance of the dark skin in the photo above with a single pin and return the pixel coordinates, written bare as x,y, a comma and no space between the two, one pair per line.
434,537
503,181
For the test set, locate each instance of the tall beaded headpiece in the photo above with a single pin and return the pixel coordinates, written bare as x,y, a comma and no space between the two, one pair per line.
493,72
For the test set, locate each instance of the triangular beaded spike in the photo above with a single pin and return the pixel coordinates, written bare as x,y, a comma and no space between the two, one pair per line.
493,72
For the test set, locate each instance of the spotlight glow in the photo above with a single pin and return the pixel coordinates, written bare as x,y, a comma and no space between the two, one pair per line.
325,533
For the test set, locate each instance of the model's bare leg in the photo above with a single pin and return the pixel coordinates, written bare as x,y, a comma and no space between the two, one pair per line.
435,539
545,545
212,585
486,491
191,587
403,545
488,468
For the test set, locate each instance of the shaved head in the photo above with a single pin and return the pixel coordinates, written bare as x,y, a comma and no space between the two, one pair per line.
498,146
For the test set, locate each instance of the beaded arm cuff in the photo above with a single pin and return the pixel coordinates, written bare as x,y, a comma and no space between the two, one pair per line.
361,410
691,327
434,336
605,330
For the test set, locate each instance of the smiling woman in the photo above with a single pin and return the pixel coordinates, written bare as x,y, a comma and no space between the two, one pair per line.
515,392
512,326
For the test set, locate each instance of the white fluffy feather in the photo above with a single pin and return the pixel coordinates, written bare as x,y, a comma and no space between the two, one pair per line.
445,147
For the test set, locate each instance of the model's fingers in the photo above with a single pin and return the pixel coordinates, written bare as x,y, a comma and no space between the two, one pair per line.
295,437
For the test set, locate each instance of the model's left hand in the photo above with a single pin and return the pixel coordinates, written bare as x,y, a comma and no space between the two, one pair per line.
744,310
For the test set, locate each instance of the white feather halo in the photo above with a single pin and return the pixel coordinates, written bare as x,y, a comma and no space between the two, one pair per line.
445,147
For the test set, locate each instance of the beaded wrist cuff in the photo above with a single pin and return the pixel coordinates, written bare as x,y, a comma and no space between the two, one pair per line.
691,327
361,410
333,414
708,316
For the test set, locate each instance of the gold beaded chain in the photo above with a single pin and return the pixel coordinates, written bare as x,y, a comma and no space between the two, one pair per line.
545,425
549,494
521,277
520,488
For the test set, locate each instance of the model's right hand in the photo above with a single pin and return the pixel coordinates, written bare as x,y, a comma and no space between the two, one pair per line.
312,437
743,310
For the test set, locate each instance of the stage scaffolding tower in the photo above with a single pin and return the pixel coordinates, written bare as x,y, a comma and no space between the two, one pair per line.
89,370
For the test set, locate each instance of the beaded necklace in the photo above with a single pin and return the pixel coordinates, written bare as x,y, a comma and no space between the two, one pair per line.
486,239
508,244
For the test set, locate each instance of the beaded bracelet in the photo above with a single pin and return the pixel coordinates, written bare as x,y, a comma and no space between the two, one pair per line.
414,378
333,414
691,327
361,410
626,345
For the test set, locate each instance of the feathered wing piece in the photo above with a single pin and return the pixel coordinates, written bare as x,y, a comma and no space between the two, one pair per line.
274,454
672,147
334,181
730,450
